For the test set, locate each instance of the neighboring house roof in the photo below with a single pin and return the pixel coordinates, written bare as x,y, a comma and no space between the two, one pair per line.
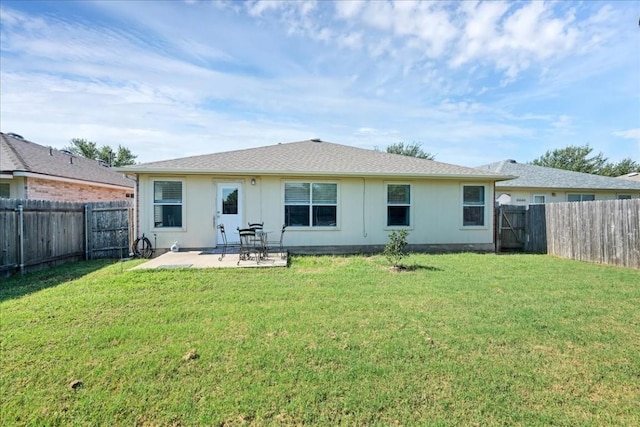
19,157
532,176
312,157
633,176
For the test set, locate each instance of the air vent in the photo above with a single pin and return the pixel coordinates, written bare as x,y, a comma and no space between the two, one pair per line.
15,135
67,152
316,140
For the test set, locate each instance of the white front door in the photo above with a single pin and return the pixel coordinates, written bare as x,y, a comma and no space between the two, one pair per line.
229,209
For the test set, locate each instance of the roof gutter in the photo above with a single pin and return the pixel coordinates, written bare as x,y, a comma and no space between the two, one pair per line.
152,171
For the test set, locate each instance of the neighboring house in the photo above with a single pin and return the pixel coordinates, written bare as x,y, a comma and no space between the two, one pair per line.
539,184
32,171
633,176
333,198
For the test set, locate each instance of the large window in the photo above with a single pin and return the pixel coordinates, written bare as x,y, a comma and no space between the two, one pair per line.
167,204
581,197
398,205
312,204
473,205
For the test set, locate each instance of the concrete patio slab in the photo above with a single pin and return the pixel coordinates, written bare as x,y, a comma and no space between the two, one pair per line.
207,259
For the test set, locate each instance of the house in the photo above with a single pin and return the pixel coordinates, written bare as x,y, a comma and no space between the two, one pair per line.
333,198
32,171
539,184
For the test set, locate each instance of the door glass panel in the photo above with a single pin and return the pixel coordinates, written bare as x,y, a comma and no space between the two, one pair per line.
230,201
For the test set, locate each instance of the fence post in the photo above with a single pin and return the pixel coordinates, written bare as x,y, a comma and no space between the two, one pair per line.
86,233
20,210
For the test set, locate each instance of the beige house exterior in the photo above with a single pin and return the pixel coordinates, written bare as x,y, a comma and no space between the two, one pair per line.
332,198
32,171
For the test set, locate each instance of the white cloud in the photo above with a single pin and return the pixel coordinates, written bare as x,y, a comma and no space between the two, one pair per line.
629,134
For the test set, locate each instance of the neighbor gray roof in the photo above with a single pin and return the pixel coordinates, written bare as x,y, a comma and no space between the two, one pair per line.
532,176
19,155
312,157
633,176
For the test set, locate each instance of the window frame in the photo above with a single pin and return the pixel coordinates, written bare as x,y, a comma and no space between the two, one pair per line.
533,199
182,204
623,196
485,207
408,205
6,185
311,204
581,195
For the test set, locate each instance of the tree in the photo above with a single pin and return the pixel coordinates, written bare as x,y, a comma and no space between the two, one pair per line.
576,158
414,150
623,167
573,158
81,147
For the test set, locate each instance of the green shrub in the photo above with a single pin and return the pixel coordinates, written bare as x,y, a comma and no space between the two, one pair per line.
394,251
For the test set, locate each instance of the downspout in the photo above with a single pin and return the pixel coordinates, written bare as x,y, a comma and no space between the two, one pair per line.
21,228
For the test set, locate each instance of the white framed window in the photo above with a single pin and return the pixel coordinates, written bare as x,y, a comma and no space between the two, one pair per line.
5,190
623,196
311,204
473,205
168,203
538,199
398,205
580,197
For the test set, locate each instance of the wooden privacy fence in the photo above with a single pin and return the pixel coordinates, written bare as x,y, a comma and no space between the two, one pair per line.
605,231
36,232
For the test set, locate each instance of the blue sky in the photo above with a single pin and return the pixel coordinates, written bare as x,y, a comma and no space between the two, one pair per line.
473,82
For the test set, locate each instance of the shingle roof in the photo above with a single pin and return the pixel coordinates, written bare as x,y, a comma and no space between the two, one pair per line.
20,155
312,157
532,176
633,176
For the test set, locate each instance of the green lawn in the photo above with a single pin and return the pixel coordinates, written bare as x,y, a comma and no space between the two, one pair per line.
456,340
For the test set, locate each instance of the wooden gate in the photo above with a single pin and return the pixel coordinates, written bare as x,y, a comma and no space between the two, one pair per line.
511,228
521,228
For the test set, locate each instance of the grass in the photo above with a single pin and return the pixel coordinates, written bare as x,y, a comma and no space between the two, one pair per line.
456,340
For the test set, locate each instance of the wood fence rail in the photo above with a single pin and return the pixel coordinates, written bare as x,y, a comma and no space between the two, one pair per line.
36,233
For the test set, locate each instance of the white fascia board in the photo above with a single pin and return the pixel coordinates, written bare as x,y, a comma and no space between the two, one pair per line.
163,171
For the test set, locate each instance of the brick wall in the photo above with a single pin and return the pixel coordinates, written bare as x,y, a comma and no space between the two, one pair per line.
41,189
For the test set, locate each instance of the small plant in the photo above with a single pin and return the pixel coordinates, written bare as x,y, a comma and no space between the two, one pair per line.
394,251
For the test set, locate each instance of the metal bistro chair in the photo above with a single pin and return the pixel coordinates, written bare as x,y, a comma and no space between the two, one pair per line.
259,239
278,243
248,245
225,243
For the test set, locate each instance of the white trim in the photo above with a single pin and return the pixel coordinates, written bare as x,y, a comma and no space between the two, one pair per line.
71,180
311,227
486,206
386,206
183,204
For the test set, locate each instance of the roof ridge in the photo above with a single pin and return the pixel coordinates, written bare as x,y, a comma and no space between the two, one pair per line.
15,152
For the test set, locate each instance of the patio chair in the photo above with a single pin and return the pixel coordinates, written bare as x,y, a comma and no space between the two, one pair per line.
225,242
257,226
248,245
278,243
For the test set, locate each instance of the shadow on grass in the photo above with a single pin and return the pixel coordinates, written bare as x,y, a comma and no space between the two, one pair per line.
19,286
418,267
